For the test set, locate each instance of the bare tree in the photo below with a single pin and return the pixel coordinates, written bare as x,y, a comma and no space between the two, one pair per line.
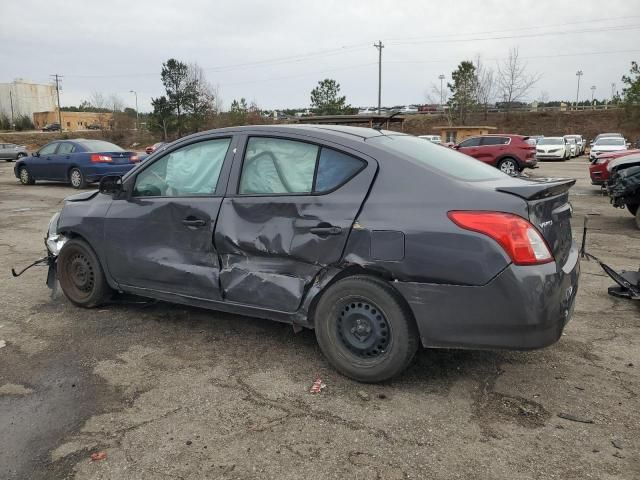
97,100
115,103
486,85
433,97
514,82
202,103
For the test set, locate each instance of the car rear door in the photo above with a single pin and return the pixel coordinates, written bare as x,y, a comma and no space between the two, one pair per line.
289,210
492,149
159,237
61,161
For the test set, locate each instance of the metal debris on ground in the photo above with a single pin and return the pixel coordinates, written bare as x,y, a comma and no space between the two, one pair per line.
362,395
617,444
575,418
3,343
317,386
98,456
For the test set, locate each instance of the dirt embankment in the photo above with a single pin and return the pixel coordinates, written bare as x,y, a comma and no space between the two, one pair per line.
587,123
125,138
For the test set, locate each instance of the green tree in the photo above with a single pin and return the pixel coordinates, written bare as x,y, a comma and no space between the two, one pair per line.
463,90
179,89
325,99
162,115
631,93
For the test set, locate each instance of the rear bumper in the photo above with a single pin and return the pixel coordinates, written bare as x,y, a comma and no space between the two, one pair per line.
524,307
530,162
94,173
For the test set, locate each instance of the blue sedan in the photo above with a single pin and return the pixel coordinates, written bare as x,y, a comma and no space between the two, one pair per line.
77,162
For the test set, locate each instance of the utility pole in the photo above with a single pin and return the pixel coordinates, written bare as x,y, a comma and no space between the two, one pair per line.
13,125
136,94
613,91
578,74
593,91
441,77
379,46
58,79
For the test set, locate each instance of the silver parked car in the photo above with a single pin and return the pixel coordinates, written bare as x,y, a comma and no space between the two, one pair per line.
11,151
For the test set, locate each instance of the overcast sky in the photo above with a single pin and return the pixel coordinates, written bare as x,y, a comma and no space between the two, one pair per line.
274,52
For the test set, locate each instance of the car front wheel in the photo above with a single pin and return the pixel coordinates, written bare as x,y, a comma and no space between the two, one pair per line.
365,330
77,178
25,177
81,276
509,166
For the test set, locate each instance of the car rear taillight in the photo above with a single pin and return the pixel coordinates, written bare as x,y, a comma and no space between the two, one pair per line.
99,158
519,238
134,159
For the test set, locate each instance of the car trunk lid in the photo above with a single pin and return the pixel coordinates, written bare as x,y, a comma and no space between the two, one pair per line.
121,157
549,210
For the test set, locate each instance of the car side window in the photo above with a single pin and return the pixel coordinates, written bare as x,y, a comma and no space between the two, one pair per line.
470,142
277,166
49,149
66,148
495,140
188,171
335,168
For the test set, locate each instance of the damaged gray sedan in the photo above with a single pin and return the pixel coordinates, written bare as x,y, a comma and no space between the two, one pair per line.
379,241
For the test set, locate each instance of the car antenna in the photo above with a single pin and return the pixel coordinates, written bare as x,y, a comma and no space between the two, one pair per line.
378,126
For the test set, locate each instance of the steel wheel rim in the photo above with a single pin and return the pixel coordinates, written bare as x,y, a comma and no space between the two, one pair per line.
76,178
24,175
508,167
81,274
363,329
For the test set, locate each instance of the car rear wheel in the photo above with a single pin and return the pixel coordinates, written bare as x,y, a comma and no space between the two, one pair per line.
509,166
365,330
25,177
81,275
77,178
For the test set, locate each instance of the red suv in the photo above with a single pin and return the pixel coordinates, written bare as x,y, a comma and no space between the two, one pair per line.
509,153
598,169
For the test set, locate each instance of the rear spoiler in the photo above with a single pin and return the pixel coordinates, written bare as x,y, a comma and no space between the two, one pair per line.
537,188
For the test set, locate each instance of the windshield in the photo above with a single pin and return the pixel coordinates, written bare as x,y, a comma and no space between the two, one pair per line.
610,141
100,146
444,160
551,141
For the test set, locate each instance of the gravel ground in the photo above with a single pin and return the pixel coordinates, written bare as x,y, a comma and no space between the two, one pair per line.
174,392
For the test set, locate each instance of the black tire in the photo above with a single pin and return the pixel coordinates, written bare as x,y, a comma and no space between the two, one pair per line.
76,178
638,218
81,276
388,339
9,159
25,177
632,207
21,155
509,166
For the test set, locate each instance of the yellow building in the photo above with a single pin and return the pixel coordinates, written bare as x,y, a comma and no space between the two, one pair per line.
72,121
458,134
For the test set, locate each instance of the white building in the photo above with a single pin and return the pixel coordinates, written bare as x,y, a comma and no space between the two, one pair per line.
27,97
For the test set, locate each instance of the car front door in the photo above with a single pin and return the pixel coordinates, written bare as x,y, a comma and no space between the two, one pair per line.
287,215
470,146
40,166
4,151
159,237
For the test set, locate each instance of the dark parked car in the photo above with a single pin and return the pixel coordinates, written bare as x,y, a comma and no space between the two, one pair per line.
598,170
11,151
77,162
51,127
152,148
510,153
379,241
94,126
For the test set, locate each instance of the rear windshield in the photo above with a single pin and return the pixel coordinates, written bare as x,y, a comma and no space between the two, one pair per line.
100,146
551,141
443,159
610,141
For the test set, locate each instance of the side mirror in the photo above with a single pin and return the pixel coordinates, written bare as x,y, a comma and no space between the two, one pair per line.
36,154
110,184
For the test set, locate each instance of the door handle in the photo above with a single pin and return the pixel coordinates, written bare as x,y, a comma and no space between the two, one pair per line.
193,222
326,230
